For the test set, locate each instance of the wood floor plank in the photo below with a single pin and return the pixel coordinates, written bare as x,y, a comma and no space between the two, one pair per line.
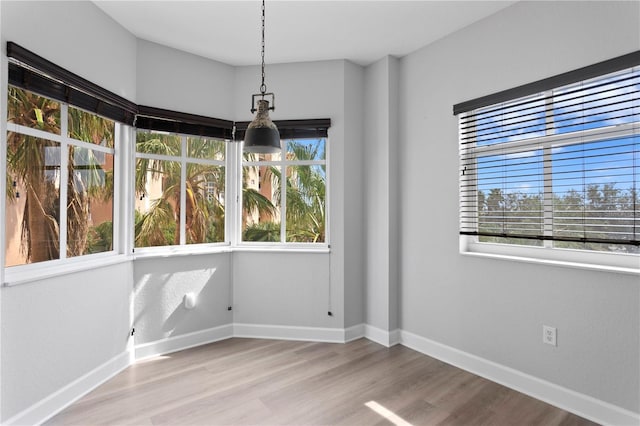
258,381
270,382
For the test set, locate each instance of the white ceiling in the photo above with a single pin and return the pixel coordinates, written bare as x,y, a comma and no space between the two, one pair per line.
297,31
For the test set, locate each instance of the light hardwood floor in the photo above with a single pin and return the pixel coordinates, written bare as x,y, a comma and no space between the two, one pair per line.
272,382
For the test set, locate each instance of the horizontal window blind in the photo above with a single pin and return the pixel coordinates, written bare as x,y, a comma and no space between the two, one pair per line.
36,74
561,165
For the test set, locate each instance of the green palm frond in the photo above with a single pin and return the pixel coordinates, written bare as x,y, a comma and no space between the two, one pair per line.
157,227
254,202
262,232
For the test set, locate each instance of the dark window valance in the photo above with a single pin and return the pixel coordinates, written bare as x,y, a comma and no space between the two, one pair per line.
179,122
293,129
34,73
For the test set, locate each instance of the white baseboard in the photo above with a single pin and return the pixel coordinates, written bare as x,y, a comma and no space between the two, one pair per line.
51,405
353,333
383,337
566,399
183,341
580,404
312,334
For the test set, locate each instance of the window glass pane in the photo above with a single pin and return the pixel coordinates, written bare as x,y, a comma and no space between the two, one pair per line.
89,202
510,196
210,149
204,204
594,194
91,128
34,111
602,102
157,214
33,200
306,204
306,186
261,203
158,143
159,191
518,120
564,170
306,149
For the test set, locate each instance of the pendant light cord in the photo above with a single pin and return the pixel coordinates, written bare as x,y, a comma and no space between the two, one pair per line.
263,87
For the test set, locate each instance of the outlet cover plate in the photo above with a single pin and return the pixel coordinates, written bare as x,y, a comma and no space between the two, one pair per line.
550,335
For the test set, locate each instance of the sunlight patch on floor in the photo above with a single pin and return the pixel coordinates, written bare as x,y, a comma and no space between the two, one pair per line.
387,414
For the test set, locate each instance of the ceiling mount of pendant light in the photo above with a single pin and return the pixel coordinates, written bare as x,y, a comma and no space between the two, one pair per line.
262,136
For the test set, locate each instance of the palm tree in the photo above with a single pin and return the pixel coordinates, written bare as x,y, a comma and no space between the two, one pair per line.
90,183
33,165
259,214
305,186
204,203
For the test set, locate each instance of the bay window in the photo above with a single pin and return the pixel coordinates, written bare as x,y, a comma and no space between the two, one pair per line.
78,186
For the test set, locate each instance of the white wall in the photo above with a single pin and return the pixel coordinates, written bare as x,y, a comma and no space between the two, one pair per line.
310,90
171,79
353,208
67,33
492,308
381,193
282,289
395,194
160,285
55,332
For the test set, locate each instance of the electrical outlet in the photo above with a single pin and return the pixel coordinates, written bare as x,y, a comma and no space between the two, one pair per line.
550,335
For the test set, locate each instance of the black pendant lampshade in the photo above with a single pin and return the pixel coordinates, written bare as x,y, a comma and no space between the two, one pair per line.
262,136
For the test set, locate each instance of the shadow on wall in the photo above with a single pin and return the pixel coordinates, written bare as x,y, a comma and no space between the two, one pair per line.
160,288
203,288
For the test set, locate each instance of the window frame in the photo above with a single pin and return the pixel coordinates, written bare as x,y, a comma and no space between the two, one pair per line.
27,272
183,248
283,163
469,153
28,71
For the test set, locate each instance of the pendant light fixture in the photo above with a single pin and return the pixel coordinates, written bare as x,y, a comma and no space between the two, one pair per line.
262,136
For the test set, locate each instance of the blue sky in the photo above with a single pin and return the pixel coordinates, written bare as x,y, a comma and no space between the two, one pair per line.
608,101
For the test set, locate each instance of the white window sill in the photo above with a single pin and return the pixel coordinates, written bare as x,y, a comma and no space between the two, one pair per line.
579,259
22,274
195,250
173,251
282,248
